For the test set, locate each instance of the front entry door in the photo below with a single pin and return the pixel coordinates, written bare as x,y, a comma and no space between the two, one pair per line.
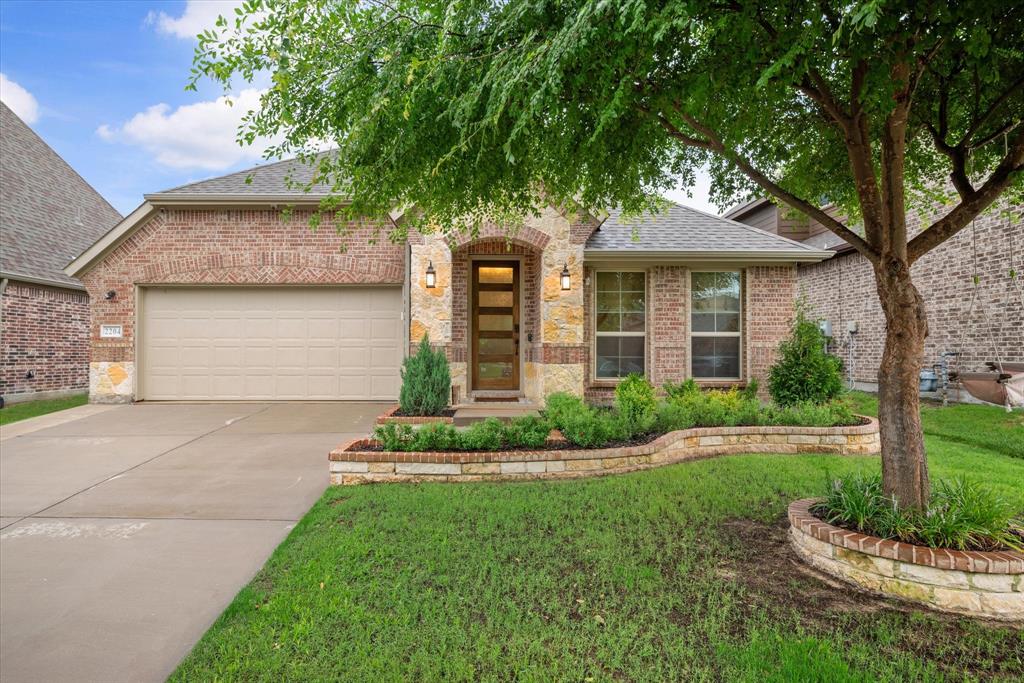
494,305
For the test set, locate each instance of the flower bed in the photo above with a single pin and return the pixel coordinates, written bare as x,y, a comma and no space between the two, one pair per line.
394,415
360,461
986,584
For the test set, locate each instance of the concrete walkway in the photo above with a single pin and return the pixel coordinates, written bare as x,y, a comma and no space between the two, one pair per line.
126,531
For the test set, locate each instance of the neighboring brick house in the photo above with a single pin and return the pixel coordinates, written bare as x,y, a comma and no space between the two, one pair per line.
48,215
207,292
842,289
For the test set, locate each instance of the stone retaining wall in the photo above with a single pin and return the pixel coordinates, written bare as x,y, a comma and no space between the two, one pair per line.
352,464
987,584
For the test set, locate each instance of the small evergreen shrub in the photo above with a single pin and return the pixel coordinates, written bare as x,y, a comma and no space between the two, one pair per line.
687,387
962,515
560,404
804,371
393,437
528,431
436,436
426,382
634,399
486,435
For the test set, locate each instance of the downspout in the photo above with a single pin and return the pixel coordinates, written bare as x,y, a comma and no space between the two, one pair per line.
3,287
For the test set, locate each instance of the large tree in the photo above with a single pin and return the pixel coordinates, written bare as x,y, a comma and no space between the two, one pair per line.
472,108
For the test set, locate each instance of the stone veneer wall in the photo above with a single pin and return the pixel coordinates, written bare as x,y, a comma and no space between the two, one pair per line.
987,584
43,331
350,465
553,361
221,247
842,290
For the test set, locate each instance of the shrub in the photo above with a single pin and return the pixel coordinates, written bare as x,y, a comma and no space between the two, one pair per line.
634,399
671,416
583,425
437,436
804,371
486,435
527,431
961,515
560,404
686,388
750,391
393,437
426,381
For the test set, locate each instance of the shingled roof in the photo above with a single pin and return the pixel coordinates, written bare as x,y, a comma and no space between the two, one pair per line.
279,179
682,229
48,213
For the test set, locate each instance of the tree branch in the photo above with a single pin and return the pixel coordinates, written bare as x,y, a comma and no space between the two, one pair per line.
972,205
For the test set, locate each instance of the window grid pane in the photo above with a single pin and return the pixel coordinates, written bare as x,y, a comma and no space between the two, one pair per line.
715,325
620,322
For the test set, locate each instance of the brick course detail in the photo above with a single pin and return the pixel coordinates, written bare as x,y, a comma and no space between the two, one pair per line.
987,584
45,332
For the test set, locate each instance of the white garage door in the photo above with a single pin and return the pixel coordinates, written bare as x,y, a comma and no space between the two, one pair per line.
271,343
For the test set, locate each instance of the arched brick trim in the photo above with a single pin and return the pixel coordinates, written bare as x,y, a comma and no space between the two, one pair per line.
525,235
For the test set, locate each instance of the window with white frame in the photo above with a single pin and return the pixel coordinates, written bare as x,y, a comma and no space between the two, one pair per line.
715,325
620,322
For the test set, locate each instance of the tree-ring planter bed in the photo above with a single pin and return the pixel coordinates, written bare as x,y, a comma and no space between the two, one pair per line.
980,584
360,461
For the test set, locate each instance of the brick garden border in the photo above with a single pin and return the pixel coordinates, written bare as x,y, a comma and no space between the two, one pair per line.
985,584
389,417
351,463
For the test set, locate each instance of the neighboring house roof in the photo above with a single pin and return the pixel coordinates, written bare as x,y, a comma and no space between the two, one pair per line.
743,208
48,213
679,232
282,179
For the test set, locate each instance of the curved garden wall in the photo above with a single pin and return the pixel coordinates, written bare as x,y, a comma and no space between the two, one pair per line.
355,463
988,584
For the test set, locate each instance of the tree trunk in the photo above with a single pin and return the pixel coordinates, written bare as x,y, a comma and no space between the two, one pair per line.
904,466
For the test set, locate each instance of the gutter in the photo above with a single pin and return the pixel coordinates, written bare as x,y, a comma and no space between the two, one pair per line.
32,280
709,256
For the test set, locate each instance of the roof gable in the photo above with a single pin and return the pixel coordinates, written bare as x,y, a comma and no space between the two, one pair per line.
48,213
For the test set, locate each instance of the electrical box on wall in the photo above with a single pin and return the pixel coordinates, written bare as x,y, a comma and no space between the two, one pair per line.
826,328
851,327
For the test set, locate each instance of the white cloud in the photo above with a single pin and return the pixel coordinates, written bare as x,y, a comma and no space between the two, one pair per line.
21,101
199,15
193,136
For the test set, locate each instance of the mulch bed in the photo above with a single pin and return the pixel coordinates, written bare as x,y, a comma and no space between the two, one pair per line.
447,412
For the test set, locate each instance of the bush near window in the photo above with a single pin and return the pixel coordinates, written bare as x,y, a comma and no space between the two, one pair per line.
635,401
426,382
962,515
804,371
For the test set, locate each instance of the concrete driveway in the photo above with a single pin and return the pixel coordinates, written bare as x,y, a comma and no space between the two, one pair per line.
124,533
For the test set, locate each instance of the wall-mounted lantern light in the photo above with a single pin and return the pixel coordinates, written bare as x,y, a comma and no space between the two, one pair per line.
431,275
566,283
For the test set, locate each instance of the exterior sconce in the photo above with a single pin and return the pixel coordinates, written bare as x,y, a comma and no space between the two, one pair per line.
566,282
431,275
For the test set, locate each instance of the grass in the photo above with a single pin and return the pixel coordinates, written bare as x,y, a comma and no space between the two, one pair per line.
23,411
677,573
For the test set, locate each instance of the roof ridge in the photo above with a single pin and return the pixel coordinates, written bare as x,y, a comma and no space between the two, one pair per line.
750,228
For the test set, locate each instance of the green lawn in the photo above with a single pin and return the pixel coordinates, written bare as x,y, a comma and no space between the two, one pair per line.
677,573
23,411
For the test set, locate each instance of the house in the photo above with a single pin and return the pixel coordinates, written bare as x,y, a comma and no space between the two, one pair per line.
209,292
841,289
48,215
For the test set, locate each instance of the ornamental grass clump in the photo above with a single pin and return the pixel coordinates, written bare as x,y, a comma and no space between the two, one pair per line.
426,382
962,515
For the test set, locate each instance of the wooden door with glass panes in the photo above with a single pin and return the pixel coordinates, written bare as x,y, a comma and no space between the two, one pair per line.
494,307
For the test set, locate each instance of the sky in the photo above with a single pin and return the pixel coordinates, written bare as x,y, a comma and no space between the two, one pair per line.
103,83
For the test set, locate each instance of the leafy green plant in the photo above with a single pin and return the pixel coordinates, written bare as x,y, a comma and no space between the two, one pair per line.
635,401
688,387
486,435
527,431
437,436
750,391
671,416
393,437
961,515
426,381
804,371
560,404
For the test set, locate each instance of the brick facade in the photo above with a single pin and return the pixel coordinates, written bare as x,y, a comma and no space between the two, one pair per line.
45,333
842,290
223,247
768,297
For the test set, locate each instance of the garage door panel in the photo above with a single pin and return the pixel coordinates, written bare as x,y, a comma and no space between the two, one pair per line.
271,343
